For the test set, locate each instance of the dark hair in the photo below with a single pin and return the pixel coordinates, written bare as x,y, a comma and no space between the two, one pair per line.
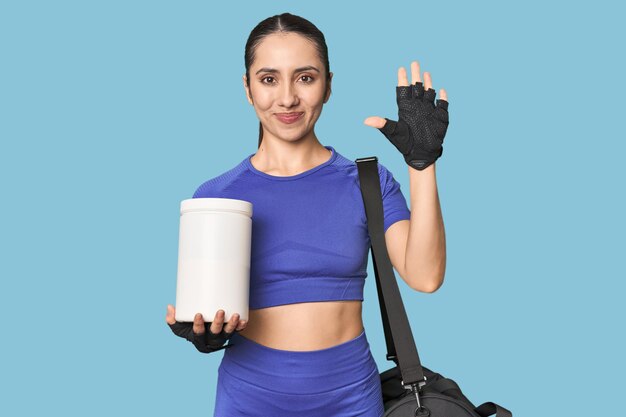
284,23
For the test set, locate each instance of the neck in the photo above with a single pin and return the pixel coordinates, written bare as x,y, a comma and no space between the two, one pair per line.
289,158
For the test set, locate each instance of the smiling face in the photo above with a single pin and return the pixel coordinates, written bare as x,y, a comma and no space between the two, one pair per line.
287,76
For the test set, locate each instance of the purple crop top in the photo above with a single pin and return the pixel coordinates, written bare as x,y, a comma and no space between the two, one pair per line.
309,231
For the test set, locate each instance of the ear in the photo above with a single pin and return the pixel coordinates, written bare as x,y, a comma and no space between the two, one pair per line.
247,89
328,88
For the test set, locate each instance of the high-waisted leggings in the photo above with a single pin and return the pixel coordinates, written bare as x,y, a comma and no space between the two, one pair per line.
340,381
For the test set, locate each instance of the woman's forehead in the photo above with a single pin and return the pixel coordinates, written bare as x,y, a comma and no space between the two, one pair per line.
286,52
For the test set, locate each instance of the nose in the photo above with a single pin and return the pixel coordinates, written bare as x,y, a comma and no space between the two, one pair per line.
288,96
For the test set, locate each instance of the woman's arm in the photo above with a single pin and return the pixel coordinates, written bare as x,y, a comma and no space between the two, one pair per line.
417,247
425,255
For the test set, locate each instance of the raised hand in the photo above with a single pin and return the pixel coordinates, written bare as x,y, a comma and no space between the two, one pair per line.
421,127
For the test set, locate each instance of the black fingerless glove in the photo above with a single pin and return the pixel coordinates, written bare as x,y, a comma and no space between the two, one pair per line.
207,342
418,134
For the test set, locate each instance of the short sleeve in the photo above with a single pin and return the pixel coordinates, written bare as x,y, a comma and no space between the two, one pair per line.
208,189
394,204
221,186
200,191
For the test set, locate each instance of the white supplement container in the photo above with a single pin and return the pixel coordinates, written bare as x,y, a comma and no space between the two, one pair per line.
214,248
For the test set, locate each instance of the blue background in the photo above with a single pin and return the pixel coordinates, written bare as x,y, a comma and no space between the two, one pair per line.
112,112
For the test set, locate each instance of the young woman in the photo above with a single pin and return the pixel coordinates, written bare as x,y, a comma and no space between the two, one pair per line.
304,351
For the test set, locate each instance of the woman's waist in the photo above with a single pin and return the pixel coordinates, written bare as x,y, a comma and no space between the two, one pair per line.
300,372
305,326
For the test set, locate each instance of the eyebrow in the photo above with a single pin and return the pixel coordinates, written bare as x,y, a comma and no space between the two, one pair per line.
273,70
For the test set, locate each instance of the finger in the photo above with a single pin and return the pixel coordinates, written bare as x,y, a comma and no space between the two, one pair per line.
429,96
441,111
375,121
218,322
242,325
232,324
402,80
428,81
389,128
198,324
443,95
417,90
397,133
415,72
171,314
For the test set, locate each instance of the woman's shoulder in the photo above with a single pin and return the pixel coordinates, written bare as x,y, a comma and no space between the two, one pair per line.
215,187
351,169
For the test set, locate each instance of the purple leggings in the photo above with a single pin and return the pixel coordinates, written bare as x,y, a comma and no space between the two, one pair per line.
340,381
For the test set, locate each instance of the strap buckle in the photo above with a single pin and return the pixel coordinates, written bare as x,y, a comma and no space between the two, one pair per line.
367,158
418,385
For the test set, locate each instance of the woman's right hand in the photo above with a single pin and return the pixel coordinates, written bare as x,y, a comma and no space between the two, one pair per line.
206,338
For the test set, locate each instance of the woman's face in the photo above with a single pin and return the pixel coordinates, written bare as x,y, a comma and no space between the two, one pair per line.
287,76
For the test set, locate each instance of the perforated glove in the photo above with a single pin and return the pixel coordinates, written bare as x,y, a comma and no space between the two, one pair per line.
207,342
418,134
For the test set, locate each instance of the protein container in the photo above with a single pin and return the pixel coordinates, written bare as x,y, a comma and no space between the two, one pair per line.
214,246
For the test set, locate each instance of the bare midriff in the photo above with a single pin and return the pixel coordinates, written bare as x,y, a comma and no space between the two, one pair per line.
305,326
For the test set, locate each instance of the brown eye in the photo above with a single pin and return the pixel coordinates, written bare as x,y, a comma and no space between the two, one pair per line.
309,77
265,78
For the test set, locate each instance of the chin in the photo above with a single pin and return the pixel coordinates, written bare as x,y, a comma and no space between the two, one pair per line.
293,137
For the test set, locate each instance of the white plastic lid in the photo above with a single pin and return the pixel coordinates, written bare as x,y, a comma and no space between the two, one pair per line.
216,204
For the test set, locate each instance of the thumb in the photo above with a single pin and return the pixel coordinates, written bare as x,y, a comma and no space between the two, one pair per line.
170,317
375,121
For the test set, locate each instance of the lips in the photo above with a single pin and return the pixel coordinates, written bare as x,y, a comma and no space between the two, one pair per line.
289,117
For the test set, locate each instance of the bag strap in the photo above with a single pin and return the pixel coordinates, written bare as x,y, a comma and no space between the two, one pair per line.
489,408
398,336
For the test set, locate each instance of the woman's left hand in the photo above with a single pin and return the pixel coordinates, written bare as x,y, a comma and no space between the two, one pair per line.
421,127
